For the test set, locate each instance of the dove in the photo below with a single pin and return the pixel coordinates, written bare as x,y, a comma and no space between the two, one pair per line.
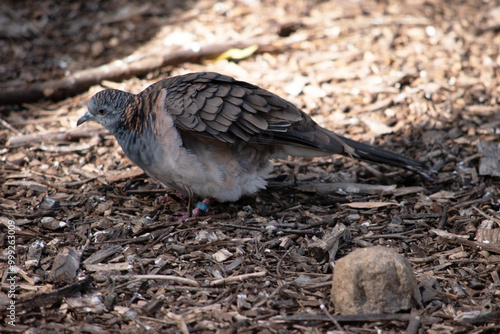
210,135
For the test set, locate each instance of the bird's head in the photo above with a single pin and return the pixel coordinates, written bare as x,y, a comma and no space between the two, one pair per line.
106,108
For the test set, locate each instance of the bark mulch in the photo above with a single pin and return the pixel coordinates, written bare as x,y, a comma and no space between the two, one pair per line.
94,250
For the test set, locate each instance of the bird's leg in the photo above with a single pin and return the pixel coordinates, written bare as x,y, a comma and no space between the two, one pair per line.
180,215
172,198
190,201
202,207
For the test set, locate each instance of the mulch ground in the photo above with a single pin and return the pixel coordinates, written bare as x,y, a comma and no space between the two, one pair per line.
96,251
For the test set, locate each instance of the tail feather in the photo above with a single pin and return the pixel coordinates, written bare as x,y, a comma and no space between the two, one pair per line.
377,155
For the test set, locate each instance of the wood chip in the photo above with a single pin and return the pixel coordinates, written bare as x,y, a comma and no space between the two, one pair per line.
38,187
102,267
369,205
103,254
491,236
66,265
128,174
489,163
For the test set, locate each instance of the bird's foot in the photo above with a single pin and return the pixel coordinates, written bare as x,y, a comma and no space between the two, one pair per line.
202,207
180,216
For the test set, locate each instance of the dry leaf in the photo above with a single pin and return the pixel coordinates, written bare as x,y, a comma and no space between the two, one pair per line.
237,53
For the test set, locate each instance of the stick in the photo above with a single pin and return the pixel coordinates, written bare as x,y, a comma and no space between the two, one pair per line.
134,65
459,240
238,278
177,279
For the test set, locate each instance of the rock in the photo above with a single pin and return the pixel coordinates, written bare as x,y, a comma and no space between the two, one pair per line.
374,280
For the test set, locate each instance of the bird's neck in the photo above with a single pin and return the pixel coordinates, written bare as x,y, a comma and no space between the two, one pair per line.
135,117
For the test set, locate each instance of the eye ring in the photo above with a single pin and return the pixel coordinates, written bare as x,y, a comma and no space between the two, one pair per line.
101,111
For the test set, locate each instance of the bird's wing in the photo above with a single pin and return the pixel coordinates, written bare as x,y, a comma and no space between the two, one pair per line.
218,106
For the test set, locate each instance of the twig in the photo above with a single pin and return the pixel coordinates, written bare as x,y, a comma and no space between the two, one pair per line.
393,235
278,266
79,183
302,317
237,278
483,318
456,239
9,127
47,298
263,229
177,279
349,187
134,65
485,215
329,316
218,291
381,104
413,324
54,136
272,294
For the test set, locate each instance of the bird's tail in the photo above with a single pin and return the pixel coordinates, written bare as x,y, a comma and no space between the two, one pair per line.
355,149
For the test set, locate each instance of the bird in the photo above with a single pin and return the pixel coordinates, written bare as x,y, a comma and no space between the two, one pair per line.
209,135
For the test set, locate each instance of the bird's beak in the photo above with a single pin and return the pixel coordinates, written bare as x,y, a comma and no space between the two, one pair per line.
87,117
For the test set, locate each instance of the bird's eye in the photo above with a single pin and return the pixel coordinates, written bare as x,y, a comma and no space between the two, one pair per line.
101,111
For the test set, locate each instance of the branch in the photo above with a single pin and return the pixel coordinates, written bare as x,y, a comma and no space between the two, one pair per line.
134,65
